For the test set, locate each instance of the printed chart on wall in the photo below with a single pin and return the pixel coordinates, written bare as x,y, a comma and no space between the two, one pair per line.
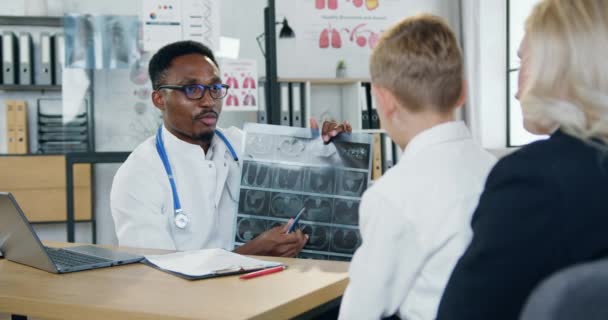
339,30
166,21
286,169
241,75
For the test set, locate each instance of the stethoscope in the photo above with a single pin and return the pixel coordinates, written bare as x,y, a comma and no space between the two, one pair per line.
180,218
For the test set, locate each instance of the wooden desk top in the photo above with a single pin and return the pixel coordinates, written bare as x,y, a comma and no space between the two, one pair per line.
140,292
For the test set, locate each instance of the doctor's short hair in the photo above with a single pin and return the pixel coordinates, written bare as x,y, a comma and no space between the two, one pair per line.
420,62
161,60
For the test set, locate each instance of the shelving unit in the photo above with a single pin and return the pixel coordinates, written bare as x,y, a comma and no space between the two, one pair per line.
34,87
322,103
49,187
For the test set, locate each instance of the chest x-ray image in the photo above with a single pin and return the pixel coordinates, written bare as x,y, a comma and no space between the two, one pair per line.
257,174
286,169
254,202
288,177
347,212
319,180
101,42
285,205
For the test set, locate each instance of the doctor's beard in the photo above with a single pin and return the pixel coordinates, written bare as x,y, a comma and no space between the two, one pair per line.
204,137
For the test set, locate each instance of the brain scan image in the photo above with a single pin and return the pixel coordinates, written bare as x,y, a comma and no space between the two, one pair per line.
318,209
288,178
285,205
346,212
319,236
256,174
254,202
345,240
319,180
291,148
248,229
259,146
351,183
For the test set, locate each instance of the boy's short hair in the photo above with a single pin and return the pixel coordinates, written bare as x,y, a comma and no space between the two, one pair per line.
420,62
161,60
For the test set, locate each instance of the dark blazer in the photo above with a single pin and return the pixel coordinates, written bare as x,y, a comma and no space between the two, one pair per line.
544,208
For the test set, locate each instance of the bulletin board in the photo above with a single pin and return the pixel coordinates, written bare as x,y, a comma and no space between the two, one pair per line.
327,31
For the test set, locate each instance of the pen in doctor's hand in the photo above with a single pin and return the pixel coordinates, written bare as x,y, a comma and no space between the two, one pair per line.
262,272
293,225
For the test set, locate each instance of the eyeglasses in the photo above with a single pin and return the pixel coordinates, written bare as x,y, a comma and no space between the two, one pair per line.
197,91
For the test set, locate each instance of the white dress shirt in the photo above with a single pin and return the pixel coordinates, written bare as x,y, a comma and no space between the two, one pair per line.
415,224
207,185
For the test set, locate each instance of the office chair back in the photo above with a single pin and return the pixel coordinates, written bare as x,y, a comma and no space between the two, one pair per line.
578,292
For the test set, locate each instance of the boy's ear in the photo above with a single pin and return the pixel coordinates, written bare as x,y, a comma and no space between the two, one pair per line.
387,102
158,99
463,95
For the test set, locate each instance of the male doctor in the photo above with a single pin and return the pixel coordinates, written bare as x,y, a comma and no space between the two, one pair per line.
178,190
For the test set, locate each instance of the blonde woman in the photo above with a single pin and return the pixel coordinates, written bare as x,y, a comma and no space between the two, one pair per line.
544,207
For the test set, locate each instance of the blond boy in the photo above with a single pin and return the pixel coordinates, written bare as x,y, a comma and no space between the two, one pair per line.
415,220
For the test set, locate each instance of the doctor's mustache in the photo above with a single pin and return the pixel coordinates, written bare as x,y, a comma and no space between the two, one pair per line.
205,114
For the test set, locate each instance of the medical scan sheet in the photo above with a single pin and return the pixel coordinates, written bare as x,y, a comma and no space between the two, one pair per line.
286,169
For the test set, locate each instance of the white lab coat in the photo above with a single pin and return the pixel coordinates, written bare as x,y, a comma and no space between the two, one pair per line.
415,224
207,185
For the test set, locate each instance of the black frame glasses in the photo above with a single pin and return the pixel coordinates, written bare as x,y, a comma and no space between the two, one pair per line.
197,91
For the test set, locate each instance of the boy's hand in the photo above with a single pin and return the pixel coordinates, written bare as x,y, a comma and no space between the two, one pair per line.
331,129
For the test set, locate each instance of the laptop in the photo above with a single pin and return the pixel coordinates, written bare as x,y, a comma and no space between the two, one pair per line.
19,243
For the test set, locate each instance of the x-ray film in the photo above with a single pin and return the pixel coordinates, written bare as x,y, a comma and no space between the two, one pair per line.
101,42
286,169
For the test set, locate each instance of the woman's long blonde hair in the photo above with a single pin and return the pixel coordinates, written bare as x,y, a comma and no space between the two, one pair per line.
567,74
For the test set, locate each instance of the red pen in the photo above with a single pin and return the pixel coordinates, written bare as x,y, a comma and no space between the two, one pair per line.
263,272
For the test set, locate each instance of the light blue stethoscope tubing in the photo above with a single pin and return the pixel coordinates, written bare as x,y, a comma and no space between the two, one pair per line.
181,219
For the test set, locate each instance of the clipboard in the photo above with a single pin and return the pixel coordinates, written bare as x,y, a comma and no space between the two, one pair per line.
206,263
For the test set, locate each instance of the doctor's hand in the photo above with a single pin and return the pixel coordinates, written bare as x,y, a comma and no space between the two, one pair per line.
331,129
275,242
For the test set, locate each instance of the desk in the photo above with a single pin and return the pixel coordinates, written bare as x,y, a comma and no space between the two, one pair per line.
140,292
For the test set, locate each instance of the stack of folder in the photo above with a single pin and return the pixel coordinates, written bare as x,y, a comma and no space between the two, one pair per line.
17,58
58,134
369,112
292,104
16,125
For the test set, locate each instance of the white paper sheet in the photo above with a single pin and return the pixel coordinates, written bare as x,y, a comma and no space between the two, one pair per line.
200,263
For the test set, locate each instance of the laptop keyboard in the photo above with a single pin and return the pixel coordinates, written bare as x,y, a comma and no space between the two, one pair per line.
72,259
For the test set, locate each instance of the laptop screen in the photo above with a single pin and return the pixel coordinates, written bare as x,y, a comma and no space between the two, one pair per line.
18,241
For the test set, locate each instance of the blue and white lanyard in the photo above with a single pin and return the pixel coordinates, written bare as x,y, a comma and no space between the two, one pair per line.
180,218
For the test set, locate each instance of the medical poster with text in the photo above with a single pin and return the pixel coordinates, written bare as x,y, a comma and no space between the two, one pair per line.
286,169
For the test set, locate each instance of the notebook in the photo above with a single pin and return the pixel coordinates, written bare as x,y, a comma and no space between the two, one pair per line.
206,263
19,243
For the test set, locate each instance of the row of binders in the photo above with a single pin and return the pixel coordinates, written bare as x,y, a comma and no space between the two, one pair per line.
292,104
369,112
16,127
18,58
